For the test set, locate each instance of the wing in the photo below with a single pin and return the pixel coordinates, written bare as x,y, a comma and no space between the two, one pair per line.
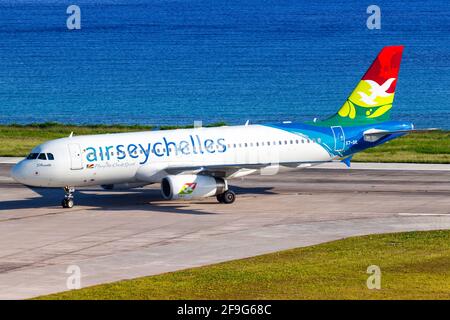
237,170
222,171
154,173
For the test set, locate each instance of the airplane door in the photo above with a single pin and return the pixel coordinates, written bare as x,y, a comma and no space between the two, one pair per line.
76,162
339,138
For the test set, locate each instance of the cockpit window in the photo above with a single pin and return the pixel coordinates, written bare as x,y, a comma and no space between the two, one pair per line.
32,156
40,156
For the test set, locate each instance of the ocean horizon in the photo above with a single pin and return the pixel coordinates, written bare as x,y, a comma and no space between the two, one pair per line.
175,62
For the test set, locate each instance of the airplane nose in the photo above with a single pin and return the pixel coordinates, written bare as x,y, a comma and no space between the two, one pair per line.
17,173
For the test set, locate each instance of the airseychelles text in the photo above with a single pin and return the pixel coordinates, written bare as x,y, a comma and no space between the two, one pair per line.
194,145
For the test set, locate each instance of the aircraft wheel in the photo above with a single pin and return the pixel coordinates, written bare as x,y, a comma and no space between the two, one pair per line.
67,203
70,203
228,196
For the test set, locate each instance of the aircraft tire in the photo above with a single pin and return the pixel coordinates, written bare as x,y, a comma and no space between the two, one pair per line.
67,203
228,197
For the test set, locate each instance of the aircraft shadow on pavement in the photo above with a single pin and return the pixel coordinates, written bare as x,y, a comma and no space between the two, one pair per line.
120,200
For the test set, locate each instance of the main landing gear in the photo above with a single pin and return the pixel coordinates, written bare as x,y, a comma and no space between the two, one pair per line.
226,197
67,202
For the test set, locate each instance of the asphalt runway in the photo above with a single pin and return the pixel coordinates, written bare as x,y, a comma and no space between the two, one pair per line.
114,235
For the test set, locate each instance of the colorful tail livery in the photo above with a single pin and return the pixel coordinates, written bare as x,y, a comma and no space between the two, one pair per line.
371,100
197,163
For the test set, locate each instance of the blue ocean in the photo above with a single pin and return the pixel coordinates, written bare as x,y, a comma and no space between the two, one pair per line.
176,61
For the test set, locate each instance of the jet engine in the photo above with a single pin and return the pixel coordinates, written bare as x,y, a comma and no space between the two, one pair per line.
188,187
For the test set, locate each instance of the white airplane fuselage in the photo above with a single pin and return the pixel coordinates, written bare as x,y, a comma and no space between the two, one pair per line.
144,157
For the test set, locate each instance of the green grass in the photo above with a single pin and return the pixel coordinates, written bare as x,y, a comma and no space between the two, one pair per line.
414,265
432,147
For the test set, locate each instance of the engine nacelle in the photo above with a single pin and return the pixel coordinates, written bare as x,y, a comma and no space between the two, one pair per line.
123,186
193,186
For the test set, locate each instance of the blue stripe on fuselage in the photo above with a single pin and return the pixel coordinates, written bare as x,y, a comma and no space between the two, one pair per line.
354,139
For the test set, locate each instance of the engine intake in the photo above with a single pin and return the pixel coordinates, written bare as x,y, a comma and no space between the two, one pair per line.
188,187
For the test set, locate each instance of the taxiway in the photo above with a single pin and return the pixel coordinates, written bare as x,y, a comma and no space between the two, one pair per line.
115,235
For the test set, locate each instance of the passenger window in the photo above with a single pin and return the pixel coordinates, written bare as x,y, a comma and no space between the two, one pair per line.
42,156
32,156
50,156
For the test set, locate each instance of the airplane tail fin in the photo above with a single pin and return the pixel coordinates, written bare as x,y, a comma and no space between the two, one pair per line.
371,100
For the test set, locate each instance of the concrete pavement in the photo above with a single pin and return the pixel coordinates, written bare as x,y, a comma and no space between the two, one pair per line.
120,235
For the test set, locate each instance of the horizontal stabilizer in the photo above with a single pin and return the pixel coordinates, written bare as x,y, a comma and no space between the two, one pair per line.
373,135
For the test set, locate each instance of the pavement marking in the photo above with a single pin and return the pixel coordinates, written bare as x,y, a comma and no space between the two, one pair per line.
406,214
11,160
386,166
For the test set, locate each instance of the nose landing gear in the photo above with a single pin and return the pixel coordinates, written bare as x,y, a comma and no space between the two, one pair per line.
67,202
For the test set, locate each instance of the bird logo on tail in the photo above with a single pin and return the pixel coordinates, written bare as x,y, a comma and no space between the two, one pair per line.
375,91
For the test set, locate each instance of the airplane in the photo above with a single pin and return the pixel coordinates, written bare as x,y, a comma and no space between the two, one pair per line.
198,162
